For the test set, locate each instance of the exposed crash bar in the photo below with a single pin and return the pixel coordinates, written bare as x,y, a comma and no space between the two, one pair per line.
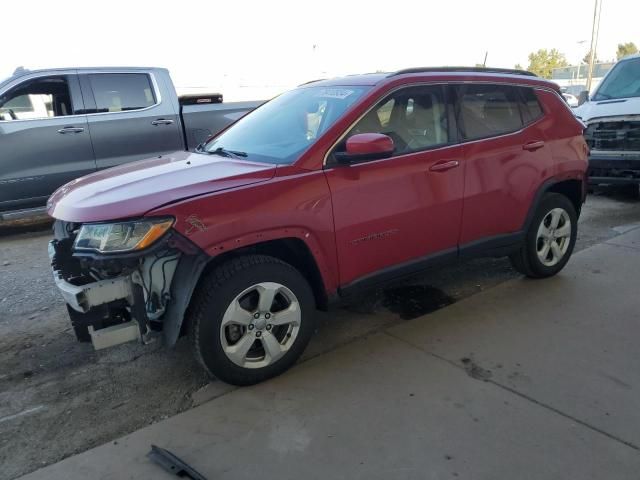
83,298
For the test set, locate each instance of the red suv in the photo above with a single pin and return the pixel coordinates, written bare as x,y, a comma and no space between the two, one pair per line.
330,188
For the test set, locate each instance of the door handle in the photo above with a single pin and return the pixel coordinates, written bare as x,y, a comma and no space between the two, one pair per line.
533,146
71,130
444,166
162,121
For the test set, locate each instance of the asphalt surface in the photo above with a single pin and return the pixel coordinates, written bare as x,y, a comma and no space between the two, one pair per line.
59,397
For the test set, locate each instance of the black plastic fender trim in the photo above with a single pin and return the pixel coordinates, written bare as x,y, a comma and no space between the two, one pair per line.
183,284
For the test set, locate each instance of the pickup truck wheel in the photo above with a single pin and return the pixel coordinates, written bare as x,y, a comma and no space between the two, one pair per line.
550,239
251,319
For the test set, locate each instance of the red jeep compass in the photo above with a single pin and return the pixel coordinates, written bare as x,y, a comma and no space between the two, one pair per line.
332,187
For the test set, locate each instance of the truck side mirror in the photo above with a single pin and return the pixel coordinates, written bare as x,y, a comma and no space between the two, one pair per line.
583,97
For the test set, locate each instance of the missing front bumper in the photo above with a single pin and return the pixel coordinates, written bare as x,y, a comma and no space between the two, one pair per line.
85,297
154,289
106,312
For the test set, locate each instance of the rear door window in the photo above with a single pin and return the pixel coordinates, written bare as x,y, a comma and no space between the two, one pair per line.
529,105
122,92
488,110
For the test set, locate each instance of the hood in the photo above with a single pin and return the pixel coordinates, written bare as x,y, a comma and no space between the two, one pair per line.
589,111
132,189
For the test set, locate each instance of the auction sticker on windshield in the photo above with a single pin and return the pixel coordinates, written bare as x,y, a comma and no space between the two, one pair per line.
339,93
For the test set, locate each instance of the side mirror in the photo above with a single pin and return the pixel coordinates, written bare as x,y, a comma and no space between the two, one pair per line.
583,97
366,146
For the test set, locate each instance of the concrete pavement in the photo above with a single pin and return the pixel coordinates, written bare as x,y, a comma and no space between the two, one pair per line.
528,380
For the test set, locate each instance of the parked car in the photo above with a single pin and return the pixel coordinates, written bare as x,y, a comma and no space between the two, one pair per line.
329,189
571,100
58,125
612,118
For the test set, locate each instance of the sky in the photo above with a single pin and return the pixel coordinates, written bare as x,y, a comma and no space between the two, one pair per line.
256,49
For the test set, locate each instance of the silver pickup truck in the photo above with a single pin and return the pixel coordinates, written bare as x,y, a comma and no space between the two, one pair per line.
58,125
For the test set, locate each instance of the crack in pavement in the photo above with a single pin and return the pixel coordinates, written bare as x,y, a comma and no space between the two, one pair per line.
22,413
608,242
516,392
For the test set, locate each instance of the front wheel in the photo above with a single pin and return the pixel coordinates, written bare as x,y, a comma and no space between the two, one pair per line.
251,319
549,242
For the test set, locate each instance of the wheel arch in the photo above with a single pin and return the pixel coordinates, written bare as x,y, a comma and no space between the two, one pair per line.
572,188
291,250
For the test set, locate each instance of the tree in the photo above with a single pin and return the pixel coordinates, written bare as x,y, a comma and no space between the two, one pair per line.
544,61
587,58
625,49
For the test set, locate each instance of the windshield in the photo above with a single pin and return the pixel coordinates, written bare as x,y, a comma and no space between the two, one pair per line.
282,129
622,82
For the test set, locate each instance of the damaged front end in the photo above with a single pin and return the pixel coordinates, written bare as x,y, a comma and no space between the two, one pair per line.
124,281
614,144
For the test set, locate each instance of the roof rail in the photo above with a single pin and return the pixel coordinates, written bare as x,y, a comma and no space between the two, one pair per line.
510,71
312,81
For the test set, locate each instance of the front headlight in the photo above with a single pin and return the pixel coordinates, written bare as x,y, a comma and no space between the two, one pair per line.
121,236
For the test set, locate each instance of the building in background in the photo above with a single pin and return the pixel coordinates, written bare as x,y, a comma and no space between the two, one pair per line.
573,79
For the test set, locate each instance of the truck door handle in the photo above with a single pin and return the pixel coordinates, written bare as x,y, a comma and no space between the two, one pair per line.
71,130
533,146
444,166
162,121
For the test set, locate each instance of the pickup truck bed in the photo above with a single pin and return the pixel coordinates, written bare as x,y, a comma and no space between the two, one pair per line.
60,124
200,121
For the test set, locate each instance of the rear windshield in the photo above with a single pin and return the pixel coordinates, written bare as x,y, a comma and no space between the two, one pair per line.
622,82
282,129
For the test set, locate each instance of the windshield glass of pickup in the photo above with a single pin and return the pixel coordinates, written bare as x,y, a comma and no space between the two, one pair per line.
280,130
622,82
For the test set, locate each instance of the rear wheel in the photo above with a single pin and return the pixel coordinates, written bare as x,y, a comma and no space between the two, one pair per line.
550,239
251,319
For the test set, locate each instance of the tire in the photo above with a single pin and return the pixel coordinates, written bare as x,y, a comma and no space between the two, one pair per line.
530,259
233,334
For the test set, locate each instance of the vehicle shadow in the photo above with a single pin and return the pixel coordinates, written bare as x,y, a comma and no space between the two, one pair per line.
620,193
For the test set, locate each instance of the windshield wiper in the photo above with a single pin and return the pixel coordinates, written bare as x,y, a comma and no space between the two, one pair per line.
226,153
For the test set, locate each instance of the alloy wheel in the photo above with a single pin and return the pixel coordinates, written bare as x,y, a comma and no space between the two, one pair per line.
260,325
554,237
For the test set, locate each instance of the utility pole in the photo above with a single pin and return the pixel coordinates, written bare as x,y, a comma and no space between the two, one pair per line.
595,31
